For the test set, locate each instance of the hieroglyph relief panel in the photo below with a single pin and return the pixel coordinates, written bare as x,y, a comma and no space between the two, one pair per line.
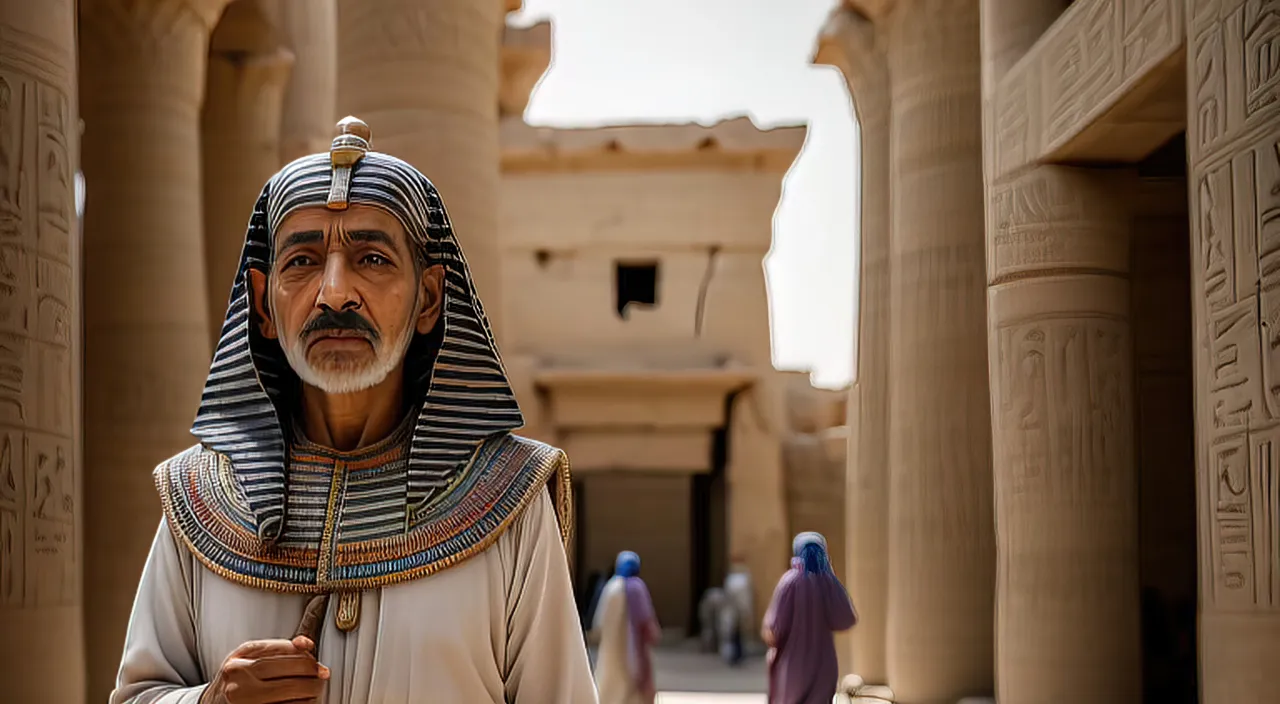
1243,42
1064,406
37,477
1081,67
1234,139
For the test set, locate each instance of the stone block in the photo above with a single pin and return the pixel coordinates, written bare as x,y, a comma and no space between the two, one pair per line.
851,683
874,692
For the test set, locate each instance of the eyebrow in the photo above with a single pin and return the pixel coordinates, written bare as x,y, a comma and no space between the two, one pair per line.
371,237
302,237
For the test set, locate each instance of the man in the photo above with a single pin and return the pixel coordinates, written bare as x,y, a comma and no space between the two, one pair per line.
628,628
358,524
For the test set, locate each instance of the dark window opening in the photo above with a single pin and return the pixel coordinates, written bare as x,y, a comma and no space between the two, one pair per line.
635,283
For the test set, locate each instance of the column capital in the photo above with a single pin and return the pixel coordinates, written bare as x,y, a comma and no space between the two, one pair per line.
247,76
1055,220
526,55
154,47
852,42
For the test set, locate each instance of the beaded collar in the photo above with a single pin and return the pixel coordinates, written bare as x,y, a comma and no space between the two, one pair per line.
350,526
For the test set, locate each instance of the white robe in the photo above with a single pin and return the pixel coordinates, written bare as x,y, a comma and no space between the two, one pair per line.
499,627
613,675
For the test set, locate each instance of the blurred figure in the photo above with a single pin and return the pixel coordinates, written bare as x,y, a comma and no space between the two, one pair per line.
729,631
739,589
628,628
737,614
809,606
708,609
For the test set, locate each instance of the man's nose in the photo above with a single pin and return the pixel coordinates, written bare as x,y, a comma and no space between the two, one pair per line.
336,290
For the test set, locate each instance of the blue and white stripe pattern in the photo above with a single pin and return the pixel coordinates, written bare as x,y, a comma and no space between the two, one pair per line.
249,390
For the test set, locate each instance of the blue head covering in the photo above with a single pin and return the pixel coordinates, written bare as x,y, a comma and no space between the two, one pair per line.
811,550
627,565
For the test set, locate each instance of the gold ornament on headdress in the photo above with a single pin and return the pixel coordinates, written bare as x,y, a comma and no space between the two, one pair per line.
349,147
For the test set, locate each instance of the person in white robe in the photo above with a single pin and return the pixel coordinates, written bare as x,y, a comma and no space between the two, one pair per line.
358,524
708,611
628,628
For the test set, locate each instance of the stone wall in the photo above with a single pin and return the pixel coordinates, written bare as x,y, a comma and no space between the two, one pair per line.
582,208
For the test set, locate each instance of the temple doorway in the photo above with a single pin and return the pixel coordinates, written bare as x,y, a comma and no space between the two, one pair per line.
667,518
1160,266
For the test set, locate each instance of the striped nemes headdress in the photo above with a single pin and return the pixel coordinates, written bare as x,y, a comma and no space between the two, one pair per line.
457,371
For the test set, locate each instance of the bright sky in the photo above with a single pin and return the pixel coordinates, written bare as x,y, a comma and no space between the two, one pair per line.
620,61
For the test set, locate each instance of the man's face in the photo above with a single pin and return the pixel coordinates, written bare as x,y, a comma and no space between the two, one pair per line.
345,296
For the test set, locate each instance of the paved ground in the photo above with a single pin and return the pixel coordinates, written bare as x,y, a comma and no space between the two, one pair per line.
686,676
708,698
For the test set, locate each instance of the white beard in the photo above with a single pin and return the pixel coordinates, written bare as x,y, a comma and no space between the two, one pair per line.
346,378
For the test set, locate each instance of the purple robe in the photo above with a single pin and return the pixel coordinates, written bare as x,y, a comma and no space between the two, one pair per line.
807,609
643,632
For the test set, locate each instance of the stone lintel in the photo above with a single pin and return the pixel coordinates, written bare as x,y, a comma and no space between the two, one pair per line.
639,398
526,55
671,450
1105,83
732,145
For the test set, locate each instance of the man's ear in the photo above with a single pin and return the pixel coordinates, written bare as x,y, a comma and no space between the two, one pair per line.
432,298
258,295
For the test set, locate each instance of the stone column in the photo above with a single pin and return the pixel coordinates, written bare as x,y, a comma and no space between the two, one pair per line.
145,329
310,31
941,542
1067,604
240,142
1009,29
41,652
852,43
1066,507
1233,144
425,75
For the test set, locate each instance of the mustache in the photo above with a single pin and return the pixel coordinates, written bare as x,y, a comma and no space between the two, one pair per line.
340,321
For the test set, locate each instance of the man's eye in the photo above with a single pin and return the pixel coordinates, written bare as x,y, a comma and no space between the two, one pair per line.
298,260
375,260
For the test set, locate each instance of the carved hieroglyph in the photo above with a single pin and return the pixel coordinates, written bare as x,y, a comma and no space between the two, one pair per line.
1066,510
1092,58
41,657
146,337
941,540
853,44
425,75
1233,137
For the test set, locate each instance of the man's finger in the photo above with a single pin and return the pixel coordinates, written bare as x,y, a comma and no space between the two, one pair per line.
284,666
291,688
304,644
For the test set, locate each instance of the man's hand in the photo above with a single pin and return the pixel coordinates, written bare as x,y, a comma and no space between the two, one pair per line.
269,672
